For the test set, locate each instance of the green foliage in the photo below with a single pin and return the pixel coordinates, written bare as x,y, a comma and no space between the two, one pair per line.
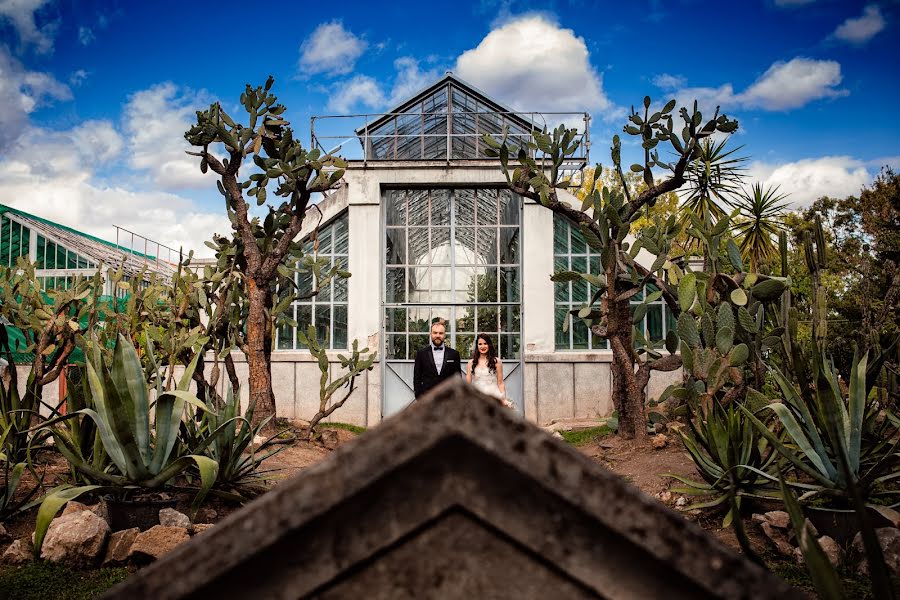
714,178
42,580
581,437
761,210
352,367
357,429
227,438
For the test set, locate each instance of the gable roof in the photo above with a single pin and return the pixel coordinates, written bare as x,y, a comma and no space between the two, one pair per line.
453,80
454,497
95,248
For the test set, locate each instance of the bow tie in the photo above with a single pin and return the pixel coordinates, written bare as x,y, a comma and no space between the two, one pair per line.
438,348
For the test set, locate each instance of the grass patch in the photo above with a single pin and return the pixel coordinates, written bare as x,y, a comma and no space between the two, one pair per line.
347,426
580,437
47,581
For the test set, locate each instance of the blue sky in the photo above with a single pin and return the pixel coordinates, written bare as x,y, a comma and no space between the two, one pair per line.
95,95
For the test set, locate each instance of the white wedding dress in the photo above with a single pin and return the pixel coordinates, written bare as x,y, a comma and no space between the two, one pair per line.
486,382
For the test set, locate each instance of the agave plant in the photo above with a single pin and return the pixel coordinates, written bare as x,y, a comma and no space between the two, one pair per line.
822,423
760,223
227,438
714,177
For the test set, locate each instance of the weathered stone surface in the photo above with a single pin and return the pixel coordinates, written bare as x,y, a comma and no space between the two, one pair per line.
169,517
775,518
832,550
889,540
681,502
329,438
73,507
423,503
778,537
201,527
76,539
206,515
659,441
19,552
119,546
157,541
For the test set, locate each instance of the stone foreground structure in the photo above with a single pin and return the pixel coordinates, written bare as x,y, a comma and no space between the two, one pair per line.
455,497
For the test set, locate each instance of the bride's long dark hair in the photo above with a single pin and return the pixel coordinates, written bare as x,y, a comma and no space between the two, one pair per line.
491,353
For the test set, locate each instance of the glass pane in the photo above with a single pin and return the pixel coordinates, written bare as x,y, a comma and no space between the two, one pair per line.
395,319
465,246
465,319
285,337
72,260
465,284
418,247
41,241
509,284
395,285
395,207
509,347
417,341
562,337
486,242
487,285
440,208
419,284
325,241
464,344
324,291
598,343
639,297
487,319
670,319
418,207
510,319
340,326
579,246
323,325
340,283
82,263
509,208
441,284
342,235
418,319
579,334
396,346
465,207
594,265
509,245
60,257
51,255
560,236
486,213
440,246
654,323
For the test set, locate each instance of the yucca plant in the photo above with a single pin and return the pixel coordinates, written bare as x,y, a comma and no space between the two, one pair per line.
760,223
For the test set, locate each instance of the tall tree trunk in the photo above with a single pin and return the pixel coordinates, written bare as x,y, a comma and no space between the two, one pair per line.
259,351
628,397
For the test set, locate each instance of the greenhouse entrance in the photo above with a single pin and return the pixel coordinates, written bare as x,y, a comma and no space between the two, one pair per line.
455,255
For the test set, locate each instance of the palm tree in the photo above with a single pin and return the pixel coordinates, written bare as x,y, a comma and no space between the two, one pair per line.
713,181
762,210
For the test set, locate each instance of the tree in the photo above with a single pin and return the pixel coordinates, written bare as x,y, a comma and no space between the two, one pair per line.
261,249
713,177
606,229
761,211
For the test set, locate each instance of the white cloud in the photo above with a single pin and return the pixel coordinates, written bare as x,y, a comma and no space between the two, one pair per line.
21,13
154,121
809,179
665,81
330,50
66,153
21,92
359,91
410,79
533,64
85,35
861,29
784,86
78,77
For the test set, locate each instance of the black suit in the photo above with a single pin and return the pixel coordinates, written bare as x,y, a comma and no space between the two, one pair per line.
425,374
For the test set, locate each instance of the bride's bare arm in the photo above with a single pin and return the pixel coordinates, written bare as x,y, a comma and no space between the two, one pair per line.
469,372
500,383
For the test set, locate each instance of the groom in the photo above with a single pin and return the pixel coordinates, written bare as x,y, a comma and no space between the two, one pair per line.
435,362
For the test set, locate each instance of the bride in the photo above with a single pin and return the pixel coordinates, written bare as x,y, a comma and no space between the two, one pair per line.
486,370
